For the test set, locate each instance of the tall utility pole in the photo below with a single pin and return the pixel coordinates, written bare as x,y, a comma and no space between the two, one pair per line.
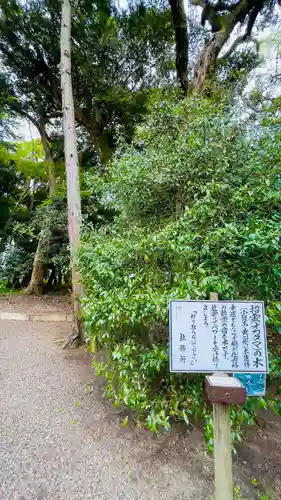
71,161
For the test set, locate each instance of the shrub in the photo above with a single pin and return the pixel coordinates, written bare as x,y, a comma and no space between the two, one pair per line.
199,210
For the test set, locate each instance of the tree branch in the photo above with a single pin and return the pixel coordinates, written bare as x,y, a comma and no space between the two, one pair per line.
20,200
222,27
252,17
199,3
18,109
47,82
239,41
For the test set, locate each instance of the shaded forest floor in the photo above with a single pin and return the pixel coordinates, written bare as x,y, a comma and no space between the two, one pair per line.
60,439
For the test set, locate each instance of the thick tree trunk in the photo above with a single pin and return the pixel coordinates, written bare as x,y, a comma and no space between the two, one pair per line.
35,285
71,161
181,37
207,59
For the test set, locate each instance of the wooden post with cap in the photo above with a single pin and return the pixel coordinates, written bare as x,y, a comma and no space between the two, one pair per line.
223,391
222,452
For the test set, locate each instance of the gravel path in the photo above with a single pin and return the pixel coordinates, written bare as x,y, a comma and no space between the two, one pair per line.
58,442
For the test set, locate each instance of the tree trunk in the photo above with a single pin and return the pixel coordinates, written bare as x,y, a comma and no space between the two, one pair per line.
35,285
48,156
181,37
71,161
91,119
179,206
208,59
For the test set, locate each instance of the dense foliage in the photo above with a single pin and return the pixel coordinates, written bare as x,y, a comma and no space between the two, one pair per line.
179,197
25,209
121,58
198,195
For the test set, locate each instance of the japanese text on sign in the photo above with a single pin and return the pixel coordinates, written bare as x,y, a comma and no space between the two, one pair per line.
208,336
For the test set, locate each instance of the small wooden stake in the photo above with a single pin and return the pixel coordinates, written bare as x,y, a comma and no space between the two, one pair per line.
222,445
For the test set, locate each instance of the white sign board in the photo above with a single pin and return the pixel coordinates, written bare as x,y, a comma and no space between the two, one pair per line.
207,336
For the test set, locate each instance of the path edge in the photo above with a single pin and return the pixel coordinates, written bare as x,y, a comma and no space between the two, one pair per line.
49,317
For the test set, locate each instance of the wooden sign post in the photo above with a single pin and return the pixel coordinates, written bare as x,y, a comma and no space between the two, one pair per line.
223,391
219,338
222,432
222,452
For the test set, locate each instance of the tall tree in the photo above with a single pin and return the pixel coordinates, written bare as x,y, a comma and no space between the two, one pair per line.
29,104
117,56
71,159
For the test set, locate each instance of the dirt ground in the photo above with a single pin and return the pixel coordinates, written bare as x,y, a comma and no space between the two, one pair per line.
32,304
62,440
258,458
